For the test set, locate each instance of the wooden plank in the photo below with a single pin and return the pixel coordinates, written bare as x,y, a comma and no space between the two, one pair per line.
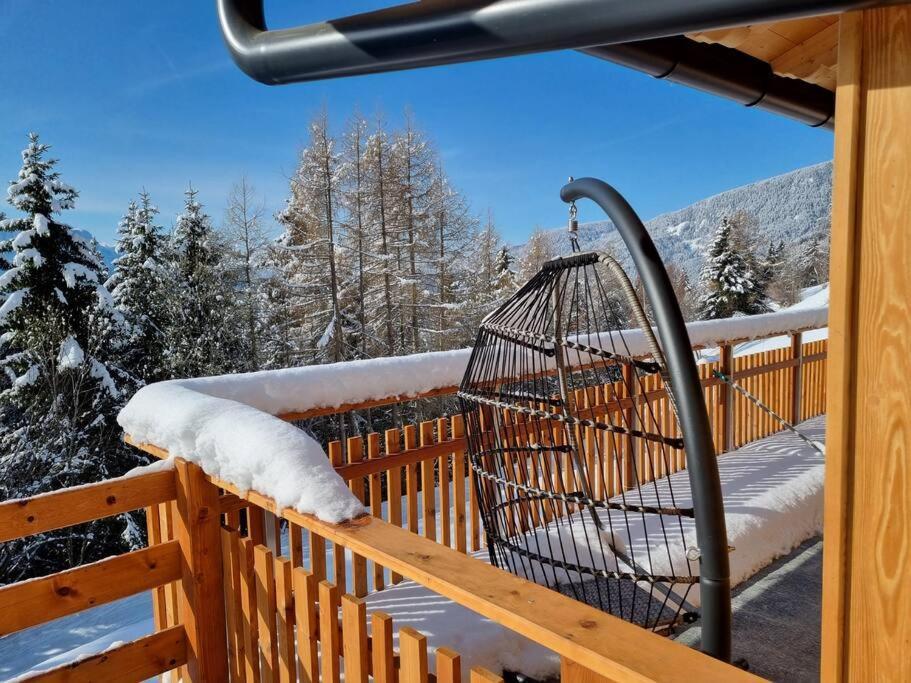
428,493
382,650
266,607
234,617
449,666
305,613
413,656
248,609
137,660
37,601
363,405
443,476
159,598
354,639
284,597
459,475
393,487
168,513
411,481
358,564
376,501
328,632
58,509
295,545
866,570
570,672
479,674
202,599
843,333
317,545
339,572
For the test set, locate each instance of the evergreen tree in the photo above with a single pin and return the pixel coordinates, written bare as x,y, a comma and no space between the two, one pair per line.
322,312
138,289
61,343
248,244
728,281
813,261
537,251
202,330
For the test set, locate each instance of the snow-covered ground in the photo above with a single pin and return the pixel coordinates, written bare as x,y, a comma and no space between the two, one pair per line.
773,499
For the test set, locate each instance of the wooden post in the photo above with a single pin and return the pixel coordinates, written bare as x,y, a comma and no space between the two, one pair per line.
866,619
727,399
796,377
201,595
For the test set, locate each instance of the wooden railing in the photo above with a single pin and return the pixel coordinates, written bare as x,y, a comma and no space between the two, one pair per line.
26,604
248,592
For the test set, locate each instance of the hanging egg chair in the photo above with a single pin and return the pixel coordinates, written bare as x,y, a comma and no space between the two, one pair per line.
580,418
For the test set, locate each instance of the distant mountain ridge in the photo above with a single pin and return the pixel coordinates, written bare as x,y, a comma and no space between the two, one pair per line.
790,207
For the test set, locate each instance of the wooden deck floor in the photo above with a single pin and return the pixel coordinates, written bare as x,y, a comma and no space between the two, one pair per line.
777,617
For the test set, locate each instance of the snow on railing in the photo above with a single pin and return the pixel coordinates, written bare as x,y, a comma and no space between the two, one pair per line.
227,423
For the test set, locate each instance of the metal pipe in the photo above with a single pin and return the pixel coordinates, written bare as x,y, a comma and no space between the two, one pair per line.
725,72
708,505
436,32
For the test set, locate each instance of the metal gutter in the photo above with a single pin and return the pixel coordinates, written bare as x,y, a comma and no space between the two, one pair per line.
434,32
727,73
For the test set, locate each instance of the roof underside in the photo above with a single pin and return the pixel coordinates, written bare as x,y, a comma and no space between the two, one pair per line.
805,49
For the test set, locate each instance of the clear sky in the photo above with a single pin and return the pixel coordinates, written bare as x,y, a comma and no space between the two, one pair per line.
143,94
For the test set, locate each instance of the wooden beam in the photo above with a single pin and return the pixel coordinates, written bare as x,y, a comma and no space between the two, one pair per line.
134,661
59,509
866,622
202,601
40,600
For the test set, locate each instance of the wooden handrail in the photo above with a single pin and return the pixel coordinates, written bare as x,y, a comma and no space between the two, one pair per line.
138,660
34,602
449,390
594,639
58,509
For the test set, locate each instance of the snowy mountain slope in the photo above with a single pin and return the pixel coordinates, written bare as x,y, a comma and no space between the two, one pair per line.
789,207
108,253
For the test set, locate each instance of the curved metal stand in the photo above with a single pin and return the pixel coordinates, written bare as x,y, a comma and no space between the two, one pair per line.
714,575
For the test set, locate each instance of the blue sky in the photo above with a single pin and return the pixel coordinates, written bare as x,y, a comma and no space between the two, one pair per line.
143,94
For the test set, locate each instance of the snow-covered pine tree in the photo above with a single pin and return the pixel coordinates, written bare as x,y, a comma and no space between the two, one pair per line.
492,278
310,239
414,163
453,227
358,235
137,286
538,249
248,243
60,349
726,278
813,262
202,329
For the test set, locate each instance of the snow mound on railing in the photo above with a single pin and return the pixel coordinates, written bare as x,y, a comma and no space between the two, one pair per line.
226,423
241,445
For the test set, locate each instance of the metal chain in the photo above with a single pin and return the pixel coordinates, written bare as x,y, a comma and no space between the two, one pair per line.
759,404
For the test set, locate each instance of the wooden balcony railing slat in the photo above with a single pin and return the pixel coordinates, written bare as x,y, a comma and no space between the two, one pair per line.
413,655
382,652
39,600
266,605
67,507
354,639
134,661
305,613
329,635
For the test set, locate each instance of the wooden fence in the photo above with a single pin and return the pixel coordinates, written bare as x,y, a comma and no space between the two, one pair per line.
252,593
29,603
